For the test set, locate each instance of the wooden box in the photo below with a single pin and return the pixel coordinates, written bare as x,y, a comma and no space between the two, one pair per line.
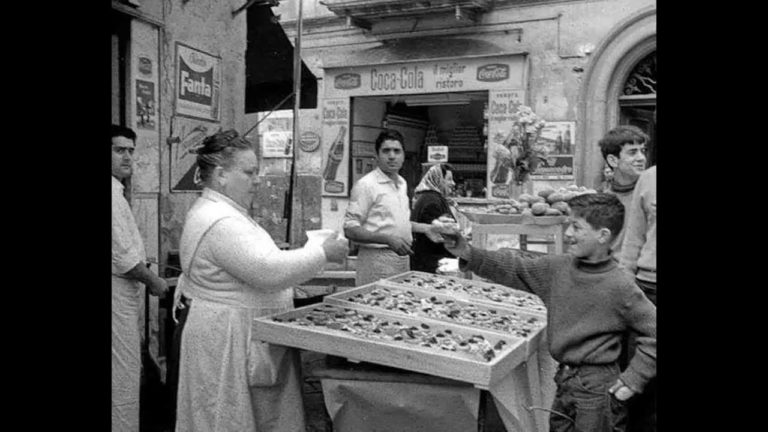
472,291
532,339
477,216
400,354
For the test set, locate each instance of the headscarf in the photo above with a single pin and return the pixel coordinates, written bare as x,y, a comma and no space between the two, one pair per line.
433,180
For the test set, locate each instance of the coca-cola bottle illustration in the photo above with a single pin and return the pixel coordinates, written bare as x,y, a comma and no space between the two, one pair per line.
335,154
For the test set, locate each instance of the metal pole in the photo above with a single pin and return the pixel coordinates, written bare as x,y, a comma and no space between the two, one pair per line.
296,106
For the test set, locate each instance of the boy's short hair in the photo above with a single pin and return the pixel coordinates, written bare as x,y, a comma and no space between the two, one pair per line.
600,210
618,137
388,134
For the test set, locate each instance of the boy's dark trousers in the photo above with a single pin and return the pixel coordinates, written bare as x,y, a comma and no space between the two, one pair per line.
582,395
642,407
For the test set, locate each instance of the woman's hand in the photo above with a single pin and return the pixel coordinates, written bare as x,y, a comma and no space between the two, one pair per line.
336,250
621,391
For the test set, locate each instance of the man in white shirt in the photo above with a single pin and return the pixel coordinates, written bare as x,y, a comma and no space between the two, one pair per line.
379,213
129,270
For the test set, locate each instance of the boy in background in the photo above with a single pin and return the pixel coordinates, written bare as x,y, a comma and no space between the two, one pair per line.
591,303
623,149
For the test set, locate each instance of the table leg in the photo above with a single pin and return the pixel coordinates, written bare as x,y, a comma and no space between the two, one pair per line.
532,369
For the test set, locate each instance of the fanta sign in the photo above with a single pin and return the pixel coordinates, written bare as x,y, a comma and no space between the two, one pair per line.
198,79
347,81
195,86
493,72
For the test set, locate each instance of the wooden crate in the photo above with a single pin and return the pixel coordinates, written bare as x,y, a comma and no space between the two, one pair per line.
517,219
538,309
531,341
399,354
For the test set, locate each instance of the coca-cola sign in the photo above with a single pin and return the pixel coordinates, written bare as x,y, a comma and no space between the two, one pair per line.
347,81
493,72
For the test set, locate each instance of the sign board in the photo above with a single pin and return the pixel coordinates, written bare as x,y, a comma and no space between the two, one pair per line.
277,144
145,104
198,81
335,147
309,141
188,135
437,154
557,142
502,104
430,76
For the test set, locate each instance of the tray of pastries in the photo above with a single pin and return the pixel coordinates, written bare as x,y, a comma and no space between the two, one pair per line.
471,290
360,334
431,306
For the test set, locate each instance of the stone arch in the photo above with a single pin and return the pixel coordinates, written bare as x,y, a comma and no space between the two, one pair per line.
598,108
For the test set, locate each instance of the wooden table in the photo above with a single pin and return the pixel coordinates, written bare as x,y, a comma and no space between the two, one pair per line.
522,226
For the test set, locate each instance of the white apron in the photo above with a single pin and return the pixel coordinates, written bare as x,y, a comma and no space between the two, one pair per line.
378,263
214,393
126,354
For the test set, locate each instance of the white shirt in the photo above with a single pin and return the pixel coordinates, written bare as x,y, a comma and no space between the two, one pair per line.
380,205
127,246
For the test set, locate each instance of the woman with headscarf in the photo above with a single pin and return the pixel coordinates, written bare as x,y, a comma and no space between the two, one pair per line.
232,273
429,204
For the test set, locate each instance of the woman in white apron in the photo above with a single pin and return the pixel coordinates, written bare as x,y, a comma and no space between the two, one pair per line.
234,272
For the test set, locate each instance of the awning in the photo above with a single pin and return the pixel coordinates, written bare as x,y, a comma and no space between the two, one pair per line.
269,66
416,49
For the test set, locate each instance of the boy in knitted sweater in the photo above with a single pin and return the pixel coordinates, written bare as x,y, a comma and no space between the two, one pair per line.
591,303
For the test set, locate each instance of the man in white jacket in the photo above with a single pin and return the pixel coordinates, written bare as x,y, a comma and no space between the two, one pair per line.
129,271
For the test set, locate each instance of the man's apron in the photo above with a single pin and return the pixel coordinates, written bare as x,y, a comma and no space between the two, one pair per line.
126,354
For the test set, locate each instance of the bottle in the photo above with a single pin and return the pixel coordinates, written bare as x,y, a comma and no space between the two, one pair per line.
335,154
567,141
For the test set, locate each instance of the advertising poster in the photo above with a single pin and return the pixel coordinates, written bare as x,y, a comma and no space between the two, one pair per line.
145,104
277,144
198,82
335,147
188,134
557,141
502,104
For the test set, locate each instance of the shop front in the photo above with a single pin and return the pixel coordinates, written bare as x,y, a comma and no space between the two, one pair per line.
447,109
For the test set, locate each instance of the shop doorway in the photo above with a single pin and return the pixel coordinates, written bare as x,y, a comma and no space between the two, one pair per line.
637,104
456,120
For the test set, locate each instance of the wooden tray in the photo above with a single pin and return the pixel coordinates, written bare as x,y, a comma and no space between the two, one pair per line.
532,340
538,309
433,361
515,219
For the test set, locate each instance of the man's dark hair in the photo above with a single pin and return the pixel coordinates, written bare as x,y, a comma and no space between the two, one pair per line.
620,136
389,134
600,210
122,131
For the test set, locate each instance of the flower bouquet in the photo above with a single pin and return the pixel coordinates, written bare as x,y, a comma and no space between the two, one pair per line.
517,152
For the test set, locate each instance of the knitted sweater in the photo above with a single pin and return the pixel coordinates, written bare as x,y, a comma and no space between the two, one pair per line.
589,307
429,206
638,253
625,196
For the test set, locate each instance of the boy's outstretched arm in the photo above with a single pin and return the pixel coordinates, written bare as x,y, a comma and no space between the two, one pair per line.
517,269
